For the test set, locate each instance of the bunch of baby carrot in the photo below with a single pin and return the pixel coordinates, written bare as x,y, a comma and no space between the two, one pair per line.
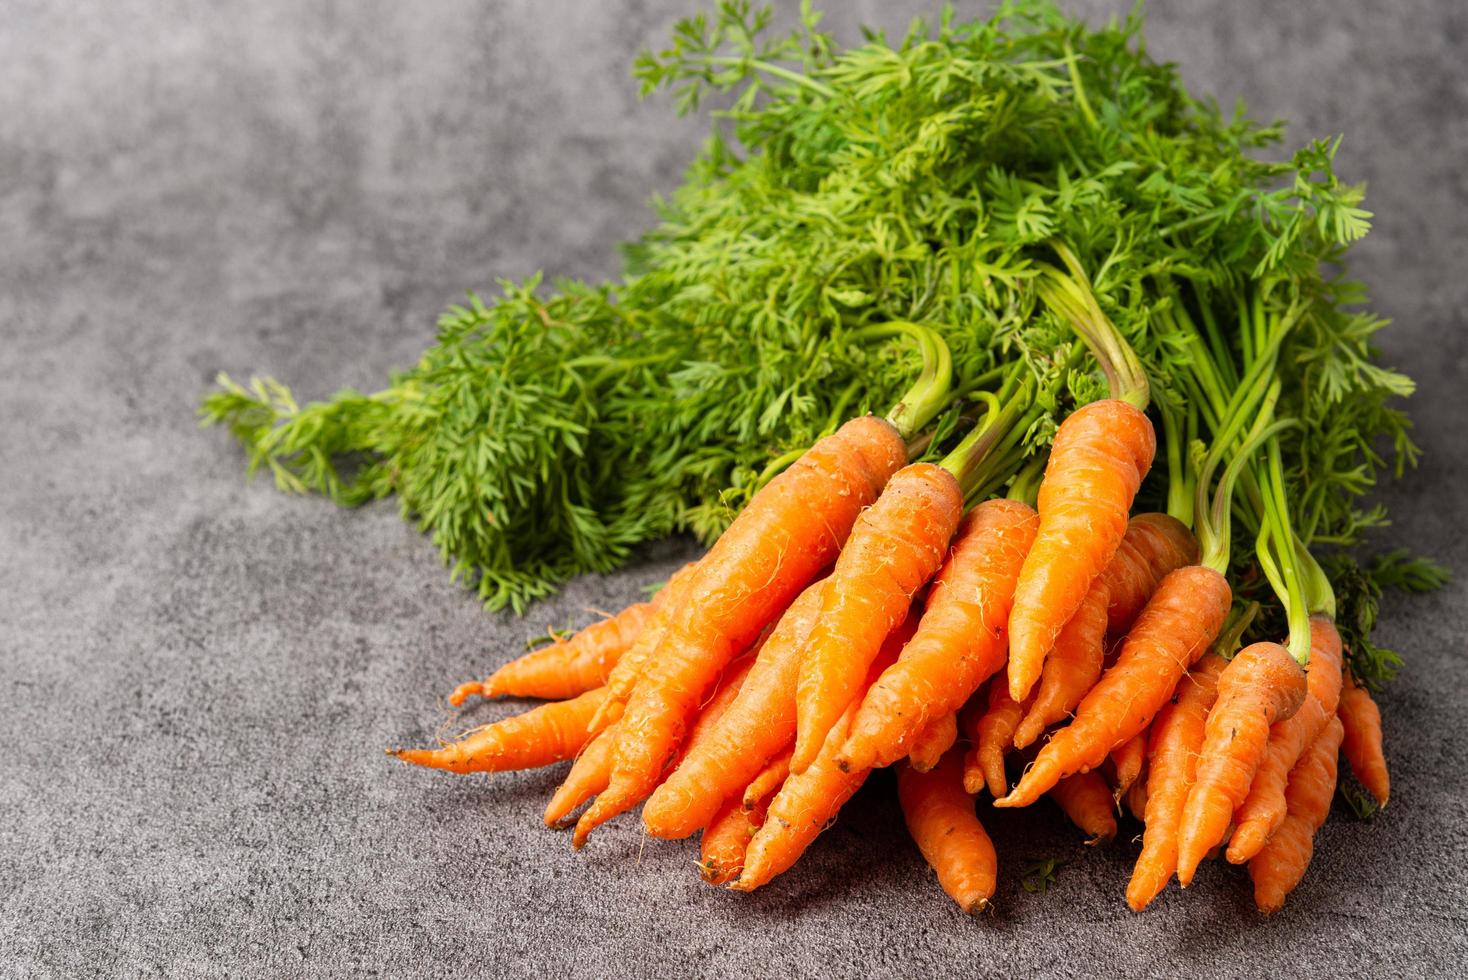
865,611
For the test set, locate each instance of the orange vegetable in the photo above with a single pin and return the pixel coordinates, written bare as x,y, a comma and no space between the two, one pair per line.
1071,669
940,817
1262,684
992,733
1263,810
588,777
625,674
934,740
759,724
808,801
724,840
1087,801
539,737
959,640
1174,629
1280,864
895,547
1127,760
785,535
1363,747
1154,544
1172,756
769,779
1097,461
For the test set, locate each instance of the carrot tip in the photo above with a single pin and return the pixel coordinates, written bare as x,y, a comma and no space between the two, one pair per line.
464,691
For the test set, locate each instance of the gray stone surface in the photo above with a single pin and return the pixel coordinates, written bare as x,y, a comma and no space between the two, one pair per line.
197,676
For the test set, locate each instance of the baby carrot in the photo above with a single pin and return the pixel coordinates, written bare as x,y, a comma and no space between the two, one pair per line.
1362,743
1280,864
1179,622
1261,685
959,640
785,535
1087,801
940,816
1099,456
896,546
936,738
539,737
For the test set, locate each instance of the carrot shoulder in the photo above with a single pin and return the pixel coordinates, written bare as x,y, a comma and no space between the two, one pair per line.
1281,864
1172,755
539,737
1363,742
757,726
895,547
787,533
1261,685
1100,455
940,817
1178,623
960,639
1263,810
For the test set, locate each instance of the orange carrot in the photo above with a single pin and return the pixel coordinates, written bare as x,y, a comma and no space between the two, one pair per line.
934,740
959,641
759,724
1362,721
1098,459
1172,755
1127,759
547,734
588,777
786,534
769,779
1154,544
1087,801
1262,684
1281,864
1174,629
624,676
567,667
724,840
895,547
991,736
1071,669
940,817
1263,810
1136,798
808,801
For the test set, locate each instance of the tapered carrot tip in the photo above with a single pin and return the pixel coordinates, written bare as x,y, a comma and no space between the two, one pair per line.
1040,777
428,758
465,691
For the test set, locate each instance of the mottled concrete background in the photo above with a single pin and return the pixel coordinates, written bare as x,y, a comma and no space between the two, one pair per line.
197,676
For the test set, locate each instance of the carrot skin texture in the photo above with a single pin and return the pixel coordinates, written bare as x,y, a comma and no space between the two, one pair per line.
1263,810
933,741
1172,758
1282,862
786,534
1262,684
895,547
566,668
1087,801
768,781
724,840
940,817
550,733
1100,454
1128,758
808,801
759,724
960,639
1070,670
1175,628
1362,742
993,732
1153,546
588,777
624,676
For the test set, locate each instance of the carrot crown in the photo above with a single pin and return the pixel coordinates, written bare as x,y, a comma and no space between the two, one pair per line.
931,391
